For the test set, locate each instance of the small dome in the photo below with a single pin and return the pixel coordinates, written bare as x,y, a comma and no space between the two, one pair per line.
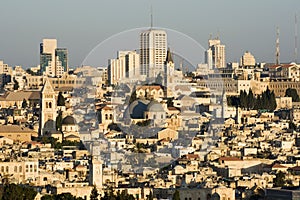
155,107
68,120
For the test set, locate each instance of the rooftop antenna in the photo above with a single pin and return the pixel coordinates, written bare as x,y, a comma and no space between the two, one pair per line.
151,16
296,39
277,46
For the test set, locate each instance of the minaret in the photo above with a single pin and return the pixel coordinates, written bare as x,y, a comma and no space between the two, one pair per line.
48,109
277,47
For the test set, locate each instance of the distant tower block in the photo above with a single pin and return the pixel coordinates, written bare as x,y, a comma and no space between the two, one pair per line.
153,51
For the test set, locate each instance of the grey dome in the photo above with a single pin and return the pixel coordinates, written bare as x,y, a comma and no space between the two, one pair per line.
68,120
155,107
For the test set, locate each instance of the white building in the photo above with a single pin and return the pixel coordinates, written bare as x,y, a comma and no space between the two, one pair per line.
126,66
215,55
153,50
247,59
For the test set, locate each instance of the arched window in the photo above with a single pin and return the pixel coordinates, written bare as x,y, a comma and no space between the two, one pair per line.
106,116
2,168
20,169
50,105
110,116
15,169
7,169
47,106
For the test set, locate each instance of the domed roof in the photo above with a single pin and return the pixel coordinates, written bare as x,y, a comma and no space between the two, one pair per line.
155,107
137,108
68,120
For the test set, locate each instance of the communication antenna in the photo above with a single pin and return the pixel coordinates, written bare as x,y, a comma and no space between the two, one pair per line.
151,18
277,47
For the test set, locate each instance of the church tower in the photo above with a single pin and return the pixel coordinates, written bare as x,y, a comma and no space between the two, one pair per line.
95,172
48,109
169,68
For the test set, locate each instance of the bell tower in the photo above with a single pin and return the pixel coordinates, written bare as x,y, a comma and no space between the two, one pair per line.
48,109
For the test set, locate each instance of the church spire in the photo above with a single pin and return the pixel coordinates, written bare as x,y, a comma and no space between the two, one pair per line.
169,56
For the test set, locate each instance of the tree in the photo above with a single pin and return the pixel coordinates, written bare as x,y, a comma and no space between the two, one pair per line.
279,181
60,100
16,85
58,120
24,104
176,195
94,194
17,192
291,92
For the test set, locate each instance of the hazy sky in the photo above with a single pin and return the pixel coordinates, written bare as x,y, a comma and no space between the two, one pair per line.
82,25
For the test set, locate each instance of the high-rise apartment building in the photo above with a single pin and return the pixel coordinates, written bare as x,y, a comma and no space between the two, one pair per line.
127,65
53,60
247,59
153,50
215,55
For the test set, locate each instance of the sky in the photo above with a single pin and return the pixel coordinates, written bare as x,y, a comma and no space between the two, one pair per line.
81,25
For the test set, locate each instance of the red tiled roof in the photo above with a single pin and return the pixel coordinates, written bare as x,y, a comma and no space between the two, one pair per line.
278,166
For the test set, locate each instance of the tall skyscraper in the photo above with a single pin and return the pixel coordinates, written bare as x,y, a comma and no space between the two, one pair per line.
153,50
215,55
53,60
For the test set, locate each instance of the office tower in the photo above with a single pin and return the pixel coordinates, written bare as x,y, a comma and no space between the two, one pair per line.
47,56
61,56
125,66
53,60
215,55
153,50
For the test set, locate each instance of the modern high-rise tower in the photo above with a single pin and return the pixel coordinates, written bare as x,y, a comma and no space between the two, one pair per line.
153,51
215,55
53,60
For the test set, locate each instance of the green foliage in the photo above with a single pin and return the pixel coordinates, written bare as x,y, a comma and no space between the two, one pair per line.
61,100
291,92
279,181
24,104
58,120
16,192
58,145
16,85
109,195
266,100
94,194
176,195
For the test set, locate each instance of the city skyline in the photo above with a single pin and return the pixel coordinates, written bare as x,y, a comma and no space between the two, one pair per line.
254,30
